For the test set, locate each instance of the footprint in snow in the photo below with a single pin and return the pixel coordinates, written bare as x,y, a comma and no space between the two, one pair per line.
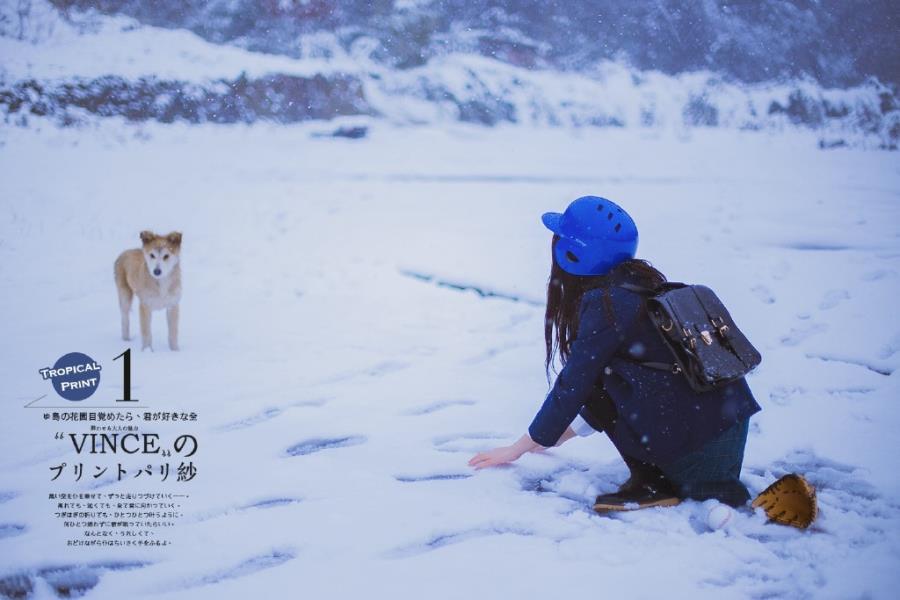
832,298
436,406
467,442
314,445
492,353
798,335
441,539
386,367
267,414
781,395
270,503
8,530
377,370
264,415
878,274
851,392
817,246
891,348
258,505
432,477
780,270
875,366
249,566
763,294
761,585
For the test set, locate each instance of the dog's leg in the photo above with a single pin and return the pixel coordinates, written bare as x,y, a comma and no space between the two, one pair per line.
125,296
146,339
172,318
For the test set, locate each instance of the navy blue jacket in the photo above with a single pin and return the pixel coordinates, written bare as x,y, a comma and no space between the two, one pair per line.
658,416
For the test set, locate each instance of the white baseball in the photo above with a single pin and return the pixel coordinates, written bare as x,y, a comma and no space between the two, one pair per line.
719,516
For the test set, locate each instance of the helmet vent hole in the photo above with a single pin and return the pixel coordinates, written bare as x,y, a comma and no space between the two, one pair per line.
609,216
571,256
618,227
600,207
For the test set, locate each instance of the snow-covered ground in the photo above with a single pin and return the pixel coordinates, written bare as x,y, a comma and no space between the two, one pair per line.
339,398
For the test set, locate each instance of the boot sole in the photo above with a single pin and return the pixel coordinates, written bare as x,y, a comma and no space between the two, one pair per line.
602,508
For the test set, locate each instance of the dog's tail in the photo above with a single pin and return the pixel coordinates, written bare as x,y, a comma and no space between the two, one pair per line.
119,272
125,292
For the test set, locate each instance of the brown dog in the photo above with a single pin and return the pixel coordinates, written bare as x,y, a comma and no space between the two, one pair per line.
153,274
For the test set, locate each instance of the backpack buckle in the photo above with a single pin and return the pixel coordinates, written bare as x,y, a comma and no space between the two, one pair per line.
719,324
689,339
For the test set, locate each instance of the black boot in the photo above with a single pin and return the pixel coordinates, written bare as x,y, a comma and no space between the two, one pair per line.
641,473
640,496
647,486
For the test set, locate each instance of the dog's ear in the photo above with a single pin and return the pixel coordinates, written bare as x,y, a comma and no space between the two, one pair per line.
174,238
147,236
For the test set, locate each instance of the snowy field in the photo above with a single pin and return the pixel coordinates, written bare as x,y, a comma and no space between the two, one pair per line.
339,397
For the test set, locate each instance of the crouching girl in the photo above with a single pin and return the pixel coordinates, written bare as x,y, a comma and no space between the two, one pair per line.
678,443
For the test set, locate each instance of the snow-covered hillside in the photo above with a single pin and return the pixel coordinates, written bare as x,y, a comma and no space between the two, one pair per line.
339,398
835,42
66,68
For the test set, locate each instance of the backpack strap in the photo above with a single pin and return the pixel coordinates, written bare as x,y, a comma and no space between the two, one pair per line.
649,292
673,368
633,287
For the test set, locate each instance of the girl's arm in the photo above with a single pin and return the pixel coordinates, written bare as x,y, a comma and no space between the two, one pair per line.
508,454
567,435
595,344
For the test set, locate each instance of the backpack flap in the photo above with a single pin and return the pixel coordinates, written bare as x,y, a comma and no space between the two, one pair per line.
746,357
706,343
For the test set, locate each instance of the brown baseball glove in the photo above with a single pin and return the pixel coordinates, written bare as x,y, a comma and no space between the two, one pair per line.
790,501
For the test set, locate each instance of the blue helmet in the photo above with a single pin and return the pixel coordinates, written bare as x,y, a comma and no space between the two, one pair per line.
595,234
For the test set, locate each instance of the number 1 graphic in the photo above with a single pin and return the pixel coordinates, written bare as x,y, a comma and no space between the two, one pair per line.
126,380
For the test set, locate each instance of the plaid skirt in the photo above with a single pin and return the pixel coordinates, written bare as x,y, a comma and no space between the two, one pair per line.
713,471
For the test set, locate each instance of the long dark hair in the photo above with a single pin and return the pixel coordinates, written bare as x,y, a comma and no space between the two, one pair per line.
564,293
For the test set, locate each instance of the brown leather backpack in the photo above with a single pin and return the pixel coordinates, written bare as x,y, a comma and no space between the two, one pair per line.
706,344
